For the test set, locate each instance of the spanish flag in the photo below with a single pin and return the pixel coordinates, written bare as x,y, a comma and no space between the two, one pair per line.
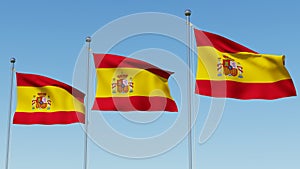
126,84
41,100
228,69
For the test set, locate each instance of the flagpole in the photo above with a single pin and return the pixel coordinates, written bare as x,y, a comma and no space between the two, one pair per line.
87,40
12,61
189,90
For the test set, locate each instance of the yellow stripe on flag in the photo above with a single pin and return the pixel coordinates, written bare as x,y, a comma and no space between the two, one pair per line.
144,82
61,100
270,68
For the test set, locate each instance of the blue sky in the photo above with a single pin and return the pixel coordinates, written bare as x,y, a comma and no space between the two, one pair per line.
48,37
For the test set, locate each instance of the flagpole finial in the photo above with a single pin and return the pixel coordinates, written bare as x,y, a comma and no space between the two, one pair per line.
88,39
188,12
12,60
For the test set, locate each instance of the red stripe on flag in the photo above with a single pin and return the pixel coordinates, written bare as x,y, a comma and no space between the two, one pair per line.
115,61
33,80
238,90
47,118
222,44
135,103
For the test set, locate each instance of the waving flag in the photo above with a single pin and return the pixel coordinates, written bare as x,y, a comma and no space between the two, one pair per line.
126,84
42,100
228,69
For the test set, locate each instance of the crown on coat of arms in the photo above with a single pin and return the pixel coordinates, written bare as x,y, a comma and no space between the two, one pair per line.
122,76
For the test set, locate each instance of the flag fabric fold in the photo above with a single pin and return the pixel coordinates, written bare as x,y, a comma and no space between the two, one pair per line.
42,100
227,69
126,84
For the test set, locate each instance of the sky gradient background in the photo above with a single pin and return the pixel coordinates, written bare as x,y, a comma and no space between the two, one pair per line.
46,37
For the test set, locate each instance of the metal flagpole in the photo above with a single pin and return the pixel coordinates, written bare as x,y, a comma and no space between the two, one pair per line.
12,61
189,90
192,42
87,40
